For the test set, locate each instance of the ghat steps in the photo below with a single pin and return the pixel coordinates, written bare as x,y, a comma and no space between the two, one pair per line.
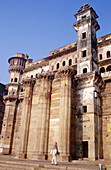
11,163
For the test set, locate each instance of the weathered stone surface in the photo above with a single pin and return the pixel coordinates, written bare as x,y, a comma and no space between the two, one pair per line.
61,98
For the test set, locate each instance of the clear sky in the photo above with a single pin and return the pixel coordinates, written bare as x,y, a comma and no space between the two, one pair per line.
35,27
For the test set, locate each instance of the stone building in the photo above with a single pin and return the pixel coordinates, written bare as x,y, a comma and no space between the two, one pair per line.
3,91
65,97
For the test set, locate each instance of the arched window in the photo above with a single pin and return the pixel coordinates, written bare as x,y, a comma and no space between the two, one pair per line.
108,54
100,56
57,65
70,62
31,76
102,70
63,64
85,70
15,80
108,68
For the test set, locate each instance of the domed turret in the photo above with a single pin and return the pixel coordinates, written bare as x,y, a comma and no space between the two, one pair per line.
17,64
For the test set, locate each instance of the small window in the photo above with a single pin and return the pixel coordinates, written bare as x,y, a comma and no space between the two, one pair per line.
12,80
102,70
108,54
31,76
75,60
108,68
70,62
84,17
36,76
52,68
63,64
13,93
85,70
15,80
21,89
85,109
57,65
84,53
100,56
83,35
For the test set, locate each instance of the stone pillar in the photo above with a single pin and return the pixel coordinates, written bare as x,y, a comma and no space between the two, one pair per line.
65,113
45,97
8,124
26,113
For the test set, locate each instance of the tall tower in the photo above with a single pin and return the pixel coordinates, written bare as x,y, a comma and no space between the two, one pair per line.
17,64
86,27
88,108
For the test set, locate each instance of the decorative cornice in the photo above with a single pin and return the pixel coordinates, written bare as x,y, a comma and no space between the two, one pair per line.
17,68
70,71
28,81
46,76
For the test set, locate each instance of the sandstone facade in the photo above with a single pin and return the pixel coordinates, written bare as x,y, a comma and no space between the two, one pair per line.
63,98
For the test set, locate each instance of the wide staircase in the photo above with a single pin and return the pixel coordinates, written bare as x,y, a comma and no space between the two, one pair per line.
11,163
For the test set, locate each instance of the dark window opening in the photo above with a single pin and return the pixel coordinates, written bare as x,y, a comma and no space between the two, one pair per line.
36,76
21,89
84,53
108,54
102,70
100,56
75,60
85,149
84,17
12,80
52,68
63,64
85,70
85,109
31,76
13,93
70,62
15,80
83,35
57,65
108,68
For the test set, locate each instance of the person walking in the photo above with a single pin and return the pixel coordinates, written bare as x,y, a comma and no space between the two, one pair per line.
54,152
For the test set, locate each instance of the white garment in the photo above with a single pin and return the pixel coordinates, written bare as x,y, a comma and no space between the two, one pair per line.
54,154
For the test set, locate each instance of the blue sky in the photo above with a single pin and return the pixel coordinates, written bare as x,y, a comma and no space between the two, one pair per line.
35,27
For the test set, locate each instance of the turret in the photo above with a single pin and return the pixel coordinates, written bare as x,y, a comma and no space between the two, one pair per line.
17,65
86,27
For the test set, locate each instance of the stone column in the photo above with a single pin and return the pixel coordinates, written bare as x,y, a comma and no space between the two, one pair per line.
26,113
65,113
8,124
46,84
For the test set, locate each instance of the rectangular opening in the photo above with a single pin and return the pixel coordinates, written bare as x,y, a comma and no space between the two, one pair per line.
84,17
85,149
84,108
83,35
84,53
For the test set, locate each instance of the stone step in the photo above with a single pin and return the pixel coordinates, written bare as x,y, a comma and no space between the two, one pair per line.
9,163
